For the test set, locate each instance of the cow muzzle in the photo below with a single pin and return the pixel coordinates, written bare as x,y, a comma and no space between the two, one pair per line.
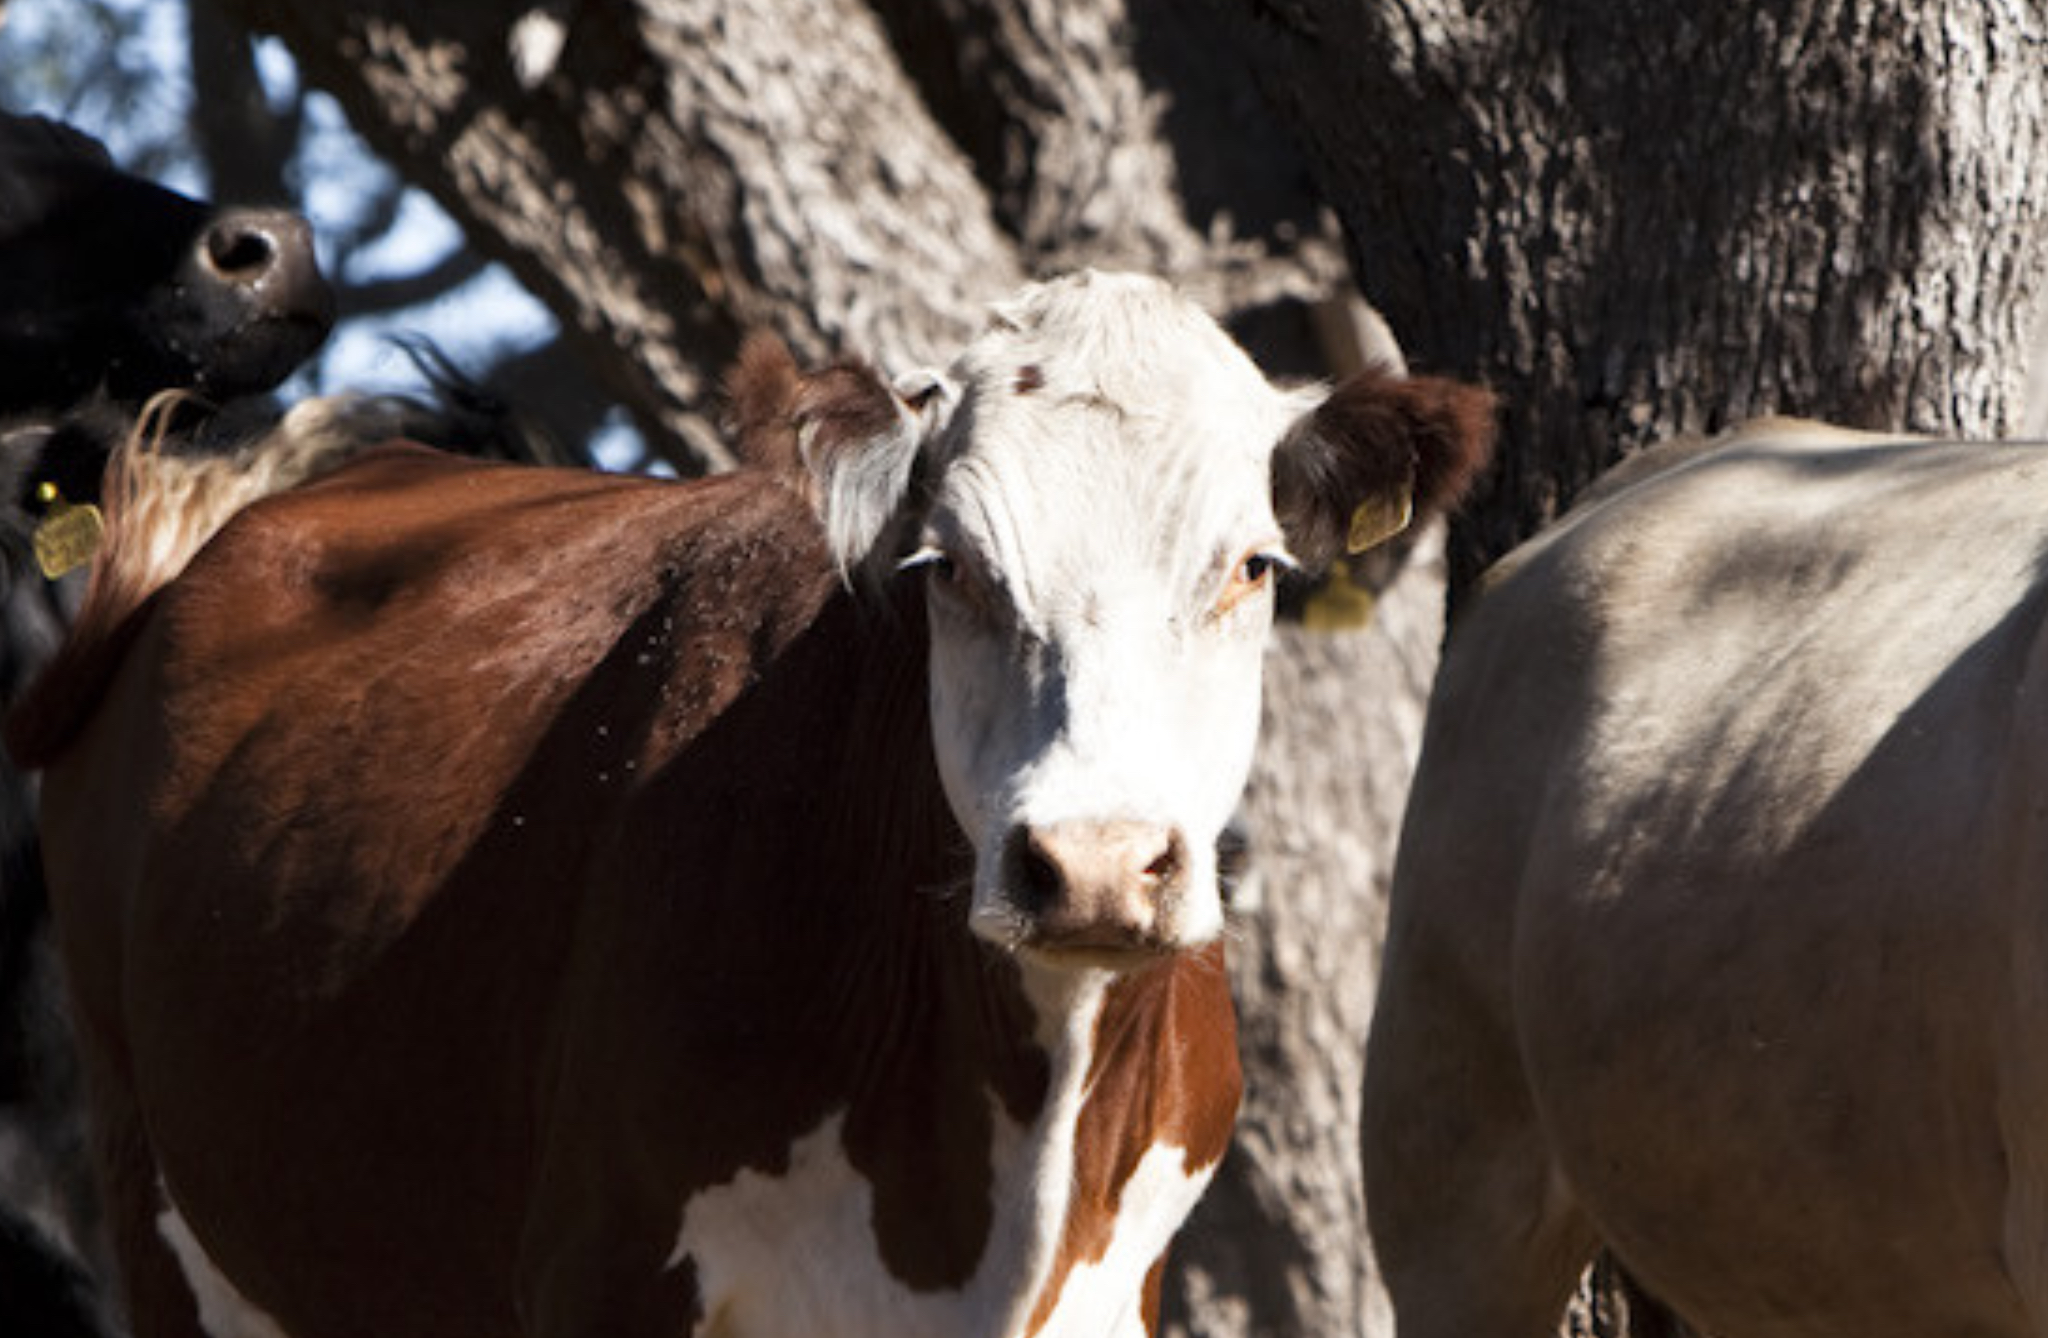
263,306
1096,893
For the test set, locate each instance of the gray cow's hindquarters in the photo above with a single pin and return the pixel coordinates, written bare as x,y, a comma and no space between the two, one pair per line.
1475,1227
1707,919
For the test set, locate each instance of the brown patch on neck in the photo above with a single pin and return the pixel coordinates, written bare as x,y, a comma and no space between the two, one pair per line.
1030,377
1164,1072
1154,1298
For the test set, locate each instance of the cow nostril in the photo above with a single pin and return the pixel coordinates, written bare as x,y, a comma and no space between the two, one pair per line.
1035,873
239,251
1166,867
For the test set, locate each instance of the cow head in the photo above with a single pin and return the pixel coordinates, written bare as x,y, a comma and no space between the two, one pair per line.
108,282
113,289
1099,496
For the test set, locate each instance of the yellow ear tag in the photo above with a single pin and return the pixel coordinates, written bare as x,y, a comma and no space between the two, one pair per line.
68,535
1379,519
1339,604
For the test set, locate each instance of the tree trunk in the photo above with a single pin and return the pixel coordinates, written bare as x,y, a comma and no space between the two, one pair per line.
1639,220
1123,134
667,173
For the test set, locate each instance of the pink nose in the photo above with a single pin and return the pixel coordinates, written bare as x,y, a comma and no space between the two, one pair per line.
1096,887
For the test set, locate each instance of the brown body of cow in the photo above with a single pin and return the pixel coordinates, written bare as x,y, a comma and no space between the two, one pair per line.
432,1088
504,901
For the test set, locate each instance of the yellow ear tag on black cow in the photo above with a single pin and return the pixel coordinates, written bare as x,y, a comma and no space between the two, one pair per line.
1379,519
68,535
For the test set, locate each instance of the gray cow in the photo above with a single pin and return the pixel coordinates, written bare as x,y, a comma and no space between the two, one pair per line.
1720,928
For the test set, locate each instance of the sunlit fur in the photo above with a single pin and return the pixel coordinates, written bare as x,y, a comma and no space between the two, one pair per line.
176,500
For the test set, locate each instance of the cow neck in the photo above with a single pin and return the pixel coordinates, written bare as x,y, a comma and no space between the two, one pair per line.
893,819
903,1043
1029,1036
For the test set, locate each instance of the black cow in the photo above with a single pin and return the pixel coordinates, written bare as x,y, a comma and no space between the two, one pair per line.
112,289
115,284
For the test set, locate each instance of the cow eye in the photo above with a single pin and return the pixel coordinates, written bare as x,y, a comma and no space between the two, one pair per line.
1253,573
959,582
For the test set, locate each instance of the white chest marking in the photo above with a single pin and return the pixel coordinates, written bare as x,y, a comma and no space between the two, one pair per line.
223,1311
796,1253
1102,1298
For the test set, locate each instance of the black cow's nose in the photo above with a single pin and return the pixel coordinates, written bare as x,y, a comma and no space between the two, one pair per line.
267,255
239,250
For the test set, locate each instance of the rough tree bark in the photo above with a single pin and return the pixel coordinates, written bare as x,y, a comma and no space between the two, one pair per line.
1639,220
664,173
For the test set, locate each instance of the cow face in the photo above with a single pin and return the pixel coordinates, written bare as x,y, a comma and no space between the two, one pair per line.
1099,496
108,282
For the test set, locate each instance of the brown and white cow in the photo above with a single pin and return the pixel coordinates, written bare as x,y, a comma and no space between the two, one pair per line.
507,901
1720,924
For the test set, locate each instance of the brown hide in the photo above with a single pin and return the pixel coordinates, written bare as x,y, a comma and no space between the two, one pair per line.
467,863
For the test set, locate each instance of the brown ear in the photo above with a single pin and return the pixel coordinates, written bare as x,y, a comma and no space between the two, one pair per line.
1377,438
760,404
848,436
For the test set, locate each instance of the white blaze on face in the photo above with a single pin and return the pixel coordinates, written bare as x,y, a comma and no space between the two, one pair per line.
1097,540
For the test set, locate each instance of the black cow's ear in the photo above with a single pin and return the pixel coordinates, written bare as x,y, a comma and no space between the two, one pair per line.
1380,447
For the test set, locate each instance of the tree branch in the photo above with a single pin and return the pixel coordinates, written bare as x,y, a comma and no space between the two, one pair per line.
444,276
678,171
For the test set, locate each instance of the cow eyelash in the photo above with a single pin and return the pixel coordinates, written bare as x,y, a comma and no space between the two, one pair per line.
962,583
933,559
960,580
